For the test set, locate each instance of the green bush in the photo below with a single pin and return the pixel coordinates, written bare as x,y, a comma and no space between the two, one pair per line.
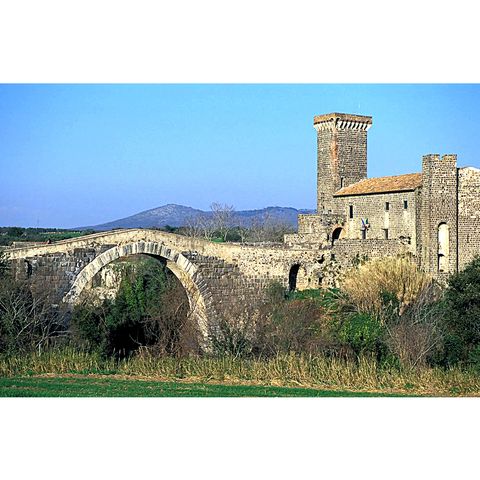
299,322
88,327
15,231
474,358
304,294
232,339
462,316
363,333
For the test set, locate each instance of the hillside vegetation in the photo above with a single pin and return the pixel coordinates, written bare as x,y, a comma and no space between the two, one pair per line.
8,235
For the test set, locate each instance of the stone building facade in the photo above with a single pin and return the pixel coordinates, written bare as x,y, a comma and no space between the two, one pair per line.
434,216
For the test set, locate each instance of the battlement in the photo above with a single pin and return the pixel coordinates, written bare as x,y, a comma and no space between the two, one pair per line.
435,157
341,121
341,154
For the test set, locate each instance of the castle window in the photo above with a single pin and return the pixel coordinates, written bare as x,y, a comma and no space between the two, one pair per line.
342,182
385,233
350,211
443,247
364,234
405,204
387,206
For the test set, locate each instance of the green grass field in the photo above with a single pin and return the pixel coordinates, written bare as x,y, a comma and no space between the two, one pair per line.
67,372
84,386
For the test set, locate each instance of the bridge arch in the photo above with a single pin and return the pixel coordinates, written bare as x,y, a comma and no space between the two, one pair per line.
186,272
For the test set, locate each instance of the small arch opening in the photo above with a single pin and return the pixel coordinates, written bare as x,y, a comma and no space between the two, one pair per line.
336,234
28,268
292,277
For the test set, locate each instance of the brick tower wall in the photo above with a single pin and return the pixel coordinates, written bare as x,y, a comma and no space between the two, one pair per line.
341,154
468,215
438,205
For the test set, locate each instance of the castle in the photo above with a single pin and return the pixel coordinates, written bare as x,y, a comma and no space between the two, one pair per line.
433,215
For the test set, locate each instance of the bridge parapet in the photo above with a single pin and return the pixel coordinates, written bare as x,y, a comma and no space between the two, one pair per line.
215,275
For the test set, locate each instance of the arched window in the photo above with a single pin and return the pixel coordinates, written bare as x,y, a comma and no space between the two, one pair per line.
336,234
443,247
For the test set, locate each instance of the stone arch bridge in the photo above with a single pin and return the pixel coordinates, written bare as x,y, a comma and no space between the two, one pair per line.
216,276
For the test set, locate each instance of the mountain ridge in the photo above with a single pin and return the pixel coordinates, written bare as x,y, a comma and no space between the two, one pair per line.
176,215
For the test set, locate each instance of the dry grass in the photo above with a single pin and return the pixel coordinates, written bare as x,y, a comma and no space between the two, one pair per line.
284,370
366,283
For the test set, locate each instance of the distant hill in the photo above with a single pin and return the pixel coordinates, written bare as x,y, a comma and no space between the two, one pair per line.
178,215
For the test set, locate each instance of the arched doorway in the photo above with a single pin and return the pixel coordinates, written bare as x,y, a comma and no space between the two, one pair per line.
336,234
292,277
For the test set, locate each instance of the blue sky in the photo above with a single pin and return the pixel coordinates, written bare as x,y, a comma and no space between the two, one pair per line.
75,155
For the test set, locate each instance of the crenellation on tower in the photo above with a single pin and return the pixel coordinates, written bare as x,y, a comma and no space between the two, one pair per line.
341,154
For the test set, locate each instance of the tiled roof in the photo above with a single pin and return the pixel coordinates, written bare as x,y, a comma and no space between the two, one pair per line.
397,183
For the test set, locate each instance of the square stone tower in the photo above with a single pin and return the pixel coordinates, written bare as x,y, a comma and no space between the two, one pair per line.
341,154
439,214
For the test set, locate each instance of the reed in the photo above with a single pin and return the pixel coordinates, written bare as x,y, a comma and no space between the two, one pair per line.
283,370
366,284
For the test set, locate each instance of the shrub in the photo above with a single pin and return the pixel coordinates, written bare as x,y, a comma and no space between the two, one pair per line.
27,322
377,286
396,311
88,326
415,337
298,326
462,315
298,323
364,334
278,324
232,339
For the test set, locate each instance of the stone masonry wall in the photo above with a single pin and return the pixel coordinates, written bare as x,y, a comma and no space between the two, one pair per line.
327,168
341,154
398,220
438,205
317,223
55,271
468,215
227,275
315,231
348,249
